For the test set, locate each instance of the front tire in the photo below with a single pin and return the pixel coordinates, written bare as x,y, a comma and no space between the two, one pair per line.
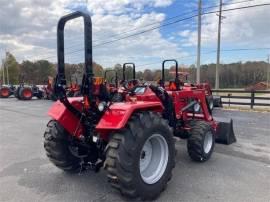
200,144
140,158
210,102
56,145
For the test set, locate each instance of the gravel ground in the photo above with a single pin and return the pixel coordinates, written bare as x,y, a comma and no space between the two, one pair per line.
239,172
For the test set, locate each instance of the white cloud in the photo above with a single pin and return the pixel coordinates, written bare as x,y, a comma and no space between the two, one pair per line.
246,27
185,33
30,31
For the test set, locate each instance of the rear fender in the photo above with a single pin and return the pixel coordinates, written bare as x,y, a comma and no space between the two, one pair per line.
65,118
118,114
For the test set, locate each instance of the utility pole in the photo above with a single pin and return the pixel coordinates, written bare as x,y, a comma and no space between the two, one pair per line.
198,79
218,45
268,71
6,69
3,71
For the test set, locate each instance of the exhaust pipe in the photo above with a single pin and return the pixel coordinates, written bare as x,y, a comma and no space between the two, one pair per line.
225,133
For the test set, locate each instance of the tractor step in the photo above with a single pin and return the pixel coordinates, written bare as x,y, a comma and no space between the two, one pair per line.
225,132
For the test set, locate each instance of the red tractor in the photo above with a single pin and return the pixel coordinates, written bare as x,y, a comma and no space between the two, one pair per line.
112,84
73,90
125,84
7,90
27,92
48,91
212,100
132,140
129,84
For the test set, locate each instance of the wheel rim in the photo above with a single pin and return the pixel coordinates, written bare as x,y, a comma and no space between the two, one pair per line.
154,159
27,93
208,141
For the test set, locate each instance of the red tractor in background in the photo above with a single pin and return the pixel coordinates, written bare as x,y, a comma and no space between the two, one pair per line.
112,85
132,140
129,83
48,90
126,85
213,100
27,92
7,90
73,90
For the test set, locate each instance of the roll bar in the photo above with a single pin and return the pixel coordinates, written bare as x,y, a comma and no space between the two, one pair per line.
88,72
116,76
162,81
133,68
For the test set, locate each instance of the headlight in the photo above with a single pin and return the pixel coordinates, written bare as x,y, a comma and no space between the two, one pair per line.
197,107
101,106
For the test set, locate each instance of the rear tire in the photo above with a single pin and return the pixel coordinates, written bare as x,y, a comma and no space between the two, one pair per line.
56,145
200,144
130,165
5,92
25,93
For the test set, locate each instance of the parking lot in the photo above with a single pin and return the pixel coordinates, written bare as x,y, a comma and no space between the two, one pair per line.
239,172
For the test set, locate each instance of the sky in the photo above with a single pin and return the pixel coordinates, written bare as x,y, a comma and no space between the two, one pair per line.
28,30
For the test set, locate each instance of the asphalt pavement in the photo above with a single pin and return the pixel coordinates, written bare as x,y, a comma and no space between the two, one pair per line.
239,172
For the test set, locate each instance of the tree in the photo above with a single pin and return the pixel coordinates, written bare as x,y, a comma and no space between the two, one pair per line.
11,65
36,72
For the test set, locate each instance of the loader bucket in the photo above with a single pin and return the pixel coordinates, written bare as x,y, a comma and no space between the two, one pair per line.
217,101
225,133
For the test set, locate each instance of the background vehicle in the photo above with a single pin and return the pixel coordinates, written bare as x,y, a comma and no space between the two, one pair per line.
27,92
48,91
7,90
73,90
111,85
126,85
212,100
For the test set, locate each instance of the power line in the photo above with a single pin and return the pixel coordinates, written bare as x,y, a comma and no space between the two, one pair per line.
238,2
164,25
122,33
167,24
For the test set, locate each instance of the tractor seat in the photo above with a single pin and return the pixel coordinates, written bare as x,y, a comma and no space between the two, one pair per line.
175,85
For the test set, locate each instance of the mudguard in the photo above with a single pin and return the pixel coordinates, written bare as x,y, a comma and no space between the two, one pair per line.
65,118
118,114
115,117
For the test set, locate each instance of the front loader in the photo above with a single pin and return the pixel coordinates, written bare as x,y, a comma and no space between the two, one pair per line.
132,140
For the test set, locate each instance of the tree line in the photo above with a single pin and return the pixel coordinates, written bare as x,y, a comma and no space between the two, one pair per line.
233,75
